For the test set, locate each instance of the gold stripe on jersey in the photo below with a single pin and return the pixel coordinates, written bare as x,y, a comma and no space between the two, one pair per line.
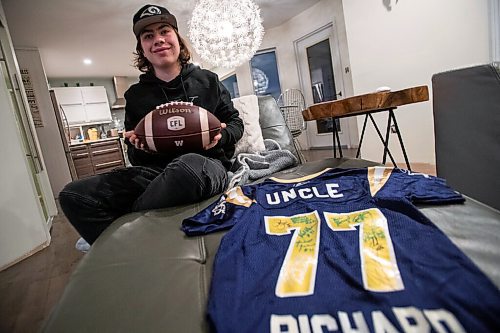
236,197
377,177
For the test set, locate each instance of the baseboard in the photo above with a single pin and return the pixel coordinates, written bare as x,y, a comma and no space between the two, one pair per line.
328,148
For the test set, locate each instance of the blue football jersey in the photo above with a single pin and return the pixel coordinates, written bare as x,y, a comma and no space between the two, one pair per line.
344,250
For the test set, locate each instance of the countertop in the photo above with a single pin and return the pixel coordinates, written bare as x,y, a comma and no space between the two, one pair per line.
92,141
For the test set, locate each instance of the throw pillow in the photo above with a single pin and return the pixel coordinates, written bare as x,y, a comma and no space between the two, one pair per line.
252,140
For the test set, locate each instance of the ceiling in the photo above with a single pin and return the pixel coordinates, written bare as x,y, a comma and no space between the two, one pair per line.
68,31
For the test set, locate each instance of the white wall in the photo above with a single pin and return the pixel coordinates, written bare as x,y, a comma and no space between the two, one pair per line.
399,48
404,47
282,39
48,135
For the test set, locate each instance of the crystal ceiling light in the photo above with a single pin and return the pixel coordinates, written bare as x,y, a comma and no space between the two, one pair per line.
226,33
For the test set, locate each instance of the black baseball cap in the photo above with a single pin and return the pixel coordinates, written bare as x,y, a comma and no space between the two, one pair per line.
150,14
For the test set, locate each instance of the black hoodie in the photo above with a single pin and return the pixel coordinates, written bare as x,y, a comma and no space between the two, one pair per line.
196,85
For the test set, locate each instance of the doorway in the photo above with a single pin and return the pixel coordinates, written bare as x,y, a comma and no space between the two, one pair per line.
320,74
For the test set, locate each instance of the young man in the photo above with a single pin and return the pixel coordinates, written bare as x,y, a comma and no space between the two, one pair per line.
158,180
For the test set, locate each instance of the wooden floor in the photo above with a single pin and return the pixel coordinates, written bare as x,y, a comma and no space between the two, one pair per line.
319,154
29,289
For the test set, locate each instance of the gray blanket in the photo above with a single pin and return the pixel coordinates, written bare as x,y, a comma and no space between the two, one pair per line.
255,166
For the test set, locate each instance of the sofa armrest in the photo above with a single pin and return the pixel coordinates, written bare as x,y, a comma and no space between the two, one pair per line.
142,275
466,105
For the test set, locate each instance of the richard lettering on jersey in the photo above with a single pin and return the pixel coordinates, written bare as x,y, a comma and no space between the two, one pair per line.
409,319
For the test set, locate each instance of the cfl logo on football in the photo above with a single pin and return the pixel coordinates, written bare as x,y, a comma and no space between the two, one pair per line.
176,123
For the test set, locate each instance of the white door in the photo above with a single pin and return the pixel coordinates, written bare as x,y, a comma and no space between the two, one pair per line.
320,72
19,105
26,200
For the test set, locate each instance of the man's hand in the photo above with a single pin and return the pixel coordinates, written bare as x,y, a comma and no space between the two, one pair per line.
132,138
216,138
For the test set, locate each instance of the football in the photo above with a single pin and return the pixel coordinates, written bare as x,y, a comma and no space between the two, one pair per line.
177,127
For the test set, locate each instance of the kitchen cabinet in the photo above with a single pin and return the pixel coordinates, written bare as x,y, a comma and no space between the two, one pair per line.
82,105
98,113
106,156
81,161
73,113
94,94
69,95
97,157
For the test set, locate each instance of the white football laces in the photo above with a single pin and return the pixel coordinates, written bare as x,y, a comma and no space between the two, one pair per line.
161,106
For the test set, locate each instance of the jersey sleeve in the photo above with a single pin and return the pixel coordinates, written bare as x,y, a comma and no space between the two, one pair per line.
223,214
421,188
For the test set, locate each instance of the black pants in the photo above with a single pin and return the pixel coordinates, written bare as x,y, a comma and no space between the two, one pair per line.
92,204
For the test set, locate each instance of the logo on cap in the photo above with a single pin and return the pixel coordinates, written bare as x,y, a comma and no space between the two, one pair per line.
152,10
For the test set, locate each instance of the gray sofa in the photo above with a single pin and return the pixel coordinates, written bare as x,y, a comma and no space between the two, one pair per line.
144,275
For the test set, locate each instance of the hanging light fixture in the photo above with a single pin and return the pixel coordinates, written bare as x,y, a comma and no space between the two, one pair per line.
226,33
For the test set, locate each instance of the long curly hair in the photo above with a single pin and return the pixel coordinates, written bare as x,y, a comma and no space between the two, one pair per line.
143,64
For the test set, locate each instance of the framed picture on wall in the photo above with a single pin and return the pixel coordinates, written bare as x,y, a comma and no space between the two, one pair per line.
231,84
265,77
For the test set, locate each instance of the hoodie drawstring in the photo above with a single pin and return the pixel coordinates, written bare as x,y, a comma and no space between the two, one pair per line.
164,93
183,89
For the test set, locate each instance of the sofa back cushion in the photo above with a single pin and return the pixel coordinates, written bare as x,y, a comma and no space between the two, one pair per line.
273,124
251,141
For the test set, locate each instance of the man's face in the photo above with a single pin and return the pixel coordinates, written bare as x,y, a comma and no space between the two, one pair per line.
160,45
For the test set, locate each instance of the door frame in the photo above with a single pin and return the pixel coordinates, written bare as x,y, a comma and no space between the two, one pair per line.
494,7
342,75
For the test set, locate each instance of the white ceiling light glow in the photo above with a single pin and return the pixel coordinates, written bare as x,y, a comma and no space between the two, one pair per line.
87,61
226,33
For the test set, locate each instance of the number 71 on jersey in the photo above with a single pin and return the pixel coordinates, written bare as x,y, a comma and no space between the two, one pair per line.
379,269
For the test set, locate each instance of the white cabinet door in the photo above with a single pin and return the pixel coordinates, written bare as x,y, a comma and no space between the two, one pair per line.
96,104
94,94
71,104
68,95
74,113
83,105
97,112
